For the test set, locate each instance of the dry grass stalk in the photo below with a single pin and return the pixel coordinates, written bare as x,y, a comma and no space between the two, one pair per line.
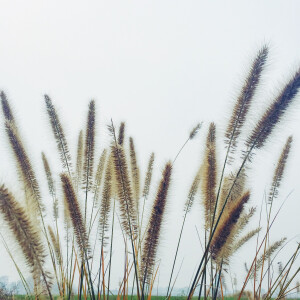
195,131
25,170
274,113
105,205
245,97
193,191
209,176
6,108
75,215
79,159
267,254
51,185
27,175
243,240
237,189
278,175
228,248
153,232
121,134
127,203
148,176
245,218
88,160
135,174
59,136
56,245
226,225
99,175
27,237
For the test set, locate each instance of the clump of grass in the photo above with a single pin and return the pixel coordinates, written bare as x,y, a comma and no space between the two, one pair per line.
105,190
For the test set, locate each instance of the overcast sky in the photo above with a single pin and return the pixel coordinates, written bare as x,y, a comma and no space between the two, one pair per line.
161,66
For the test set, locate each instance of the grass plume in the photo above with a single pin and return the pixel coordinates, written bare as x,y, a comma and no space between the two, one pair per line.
228,220
245,97
209,175
75,214
148,177
121,134
274,113
153,230
124,190
59,136
195,131
27,237
99,175
193,191
89,149
278,175
55,244
135,174
105,205
244,239
6,107
25,170
267,254
51,185
79,159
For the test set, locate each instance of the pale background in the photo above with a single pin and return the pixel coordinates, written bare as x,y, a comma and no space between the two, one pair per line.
162,66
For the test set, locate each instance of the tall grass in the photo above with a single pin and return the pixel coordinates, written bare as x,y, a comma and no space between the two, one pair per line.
102,191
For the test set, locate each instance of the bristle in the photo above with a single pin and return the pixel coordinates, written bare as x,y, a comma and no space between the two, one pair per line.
51,185
226,225
268,253
135,174
195,130
154,227
148,176
192,192
274,112
59,136
75,215
26,235
88,163
127,204
243,240
121,134
79,159
55,244
99,175
105,205
209,175
278,175
27,175
245,97
6,107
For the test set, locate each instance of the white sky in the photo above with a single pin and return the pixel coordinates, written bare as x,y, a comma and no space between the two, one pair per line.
162,66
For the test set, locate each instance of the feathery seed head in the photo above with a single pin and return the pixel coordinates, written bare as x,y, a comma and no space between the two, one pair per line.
226,225
148,176
274,113
195,130
121,134
75,215
6,107
150,245
245,97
